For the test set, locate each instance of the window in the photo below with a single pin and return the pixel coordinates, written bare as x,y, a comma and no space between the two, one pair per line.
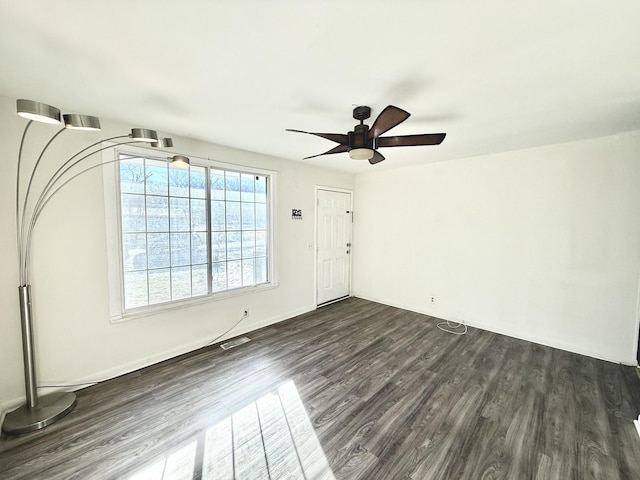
190,232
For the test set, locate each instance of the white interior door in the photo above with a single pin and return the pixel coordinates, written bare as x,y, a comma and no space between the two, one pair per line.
333,245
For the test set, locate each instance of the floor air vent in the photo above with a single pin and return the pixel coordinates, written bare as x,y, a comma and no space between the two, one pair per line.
234,343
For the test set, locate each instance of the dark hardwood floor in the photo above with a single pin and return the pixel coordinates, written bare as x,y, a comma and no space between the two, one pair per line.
355,390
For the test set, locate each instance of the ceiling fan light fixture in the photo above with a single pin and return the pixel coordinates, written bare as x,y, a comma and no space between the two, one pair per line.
361,153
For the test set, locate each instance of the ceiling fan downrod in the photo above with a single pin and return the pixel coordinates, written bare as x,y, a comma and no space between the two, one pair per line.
358,137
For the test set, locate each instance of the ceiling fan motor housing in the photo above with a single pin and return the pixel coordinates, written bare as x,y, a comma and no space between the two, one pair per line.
358,138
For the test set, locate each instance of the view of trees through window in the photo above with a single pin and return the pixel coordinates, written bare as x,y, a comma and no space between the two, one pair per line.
188,232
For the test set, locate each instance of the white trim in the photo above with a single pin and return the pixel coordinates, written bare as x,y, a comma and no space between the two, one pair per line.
113,218
104,375
548,342
335,189
636,335
336,300
111,192
188,302
315,236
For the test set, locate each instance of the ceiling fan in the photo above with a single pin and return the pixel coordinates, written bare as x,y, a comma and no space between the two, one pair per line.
363,142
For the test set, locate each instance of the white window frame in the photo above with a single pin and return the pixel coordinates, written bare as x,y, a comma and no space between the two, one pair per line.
113,223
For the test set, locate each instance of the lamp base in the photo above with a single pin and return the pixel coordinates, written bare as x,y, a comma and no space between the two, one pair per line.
50,408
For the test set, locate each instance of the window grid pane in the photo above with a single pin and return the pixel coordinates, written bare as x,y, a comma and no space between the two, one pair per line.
240,230
173,219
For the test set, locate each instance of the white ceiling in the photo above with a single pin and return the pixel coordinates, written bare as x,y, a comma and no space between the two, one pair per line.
495,75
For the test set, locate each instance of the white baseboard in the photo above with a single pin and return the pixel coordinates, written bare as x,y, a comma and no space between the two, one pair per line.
637,424
265,323
548,342
95,377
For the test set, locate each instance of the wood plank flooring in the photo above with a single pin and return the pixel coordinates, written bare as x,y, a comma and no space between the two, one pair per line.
355,390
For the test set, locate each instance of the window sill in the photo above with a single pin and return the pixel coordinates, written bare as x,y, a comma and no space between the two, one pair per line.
187,302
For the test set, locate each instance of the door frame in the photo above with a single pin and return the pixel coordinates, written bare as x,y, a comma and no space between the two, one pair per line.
316,245
637,329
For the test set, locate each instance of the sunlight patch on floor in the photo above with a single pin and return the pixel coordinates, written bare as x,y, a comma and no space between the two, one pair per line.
270,438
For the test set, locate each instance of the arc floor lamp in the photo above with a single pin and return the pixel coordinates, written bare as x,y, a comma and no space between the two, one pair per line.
38,412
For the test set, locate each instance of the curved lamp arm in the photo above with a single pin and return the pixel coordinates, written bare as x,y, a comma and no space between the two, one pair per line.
18,218
25,220
36,414
52,189
34,170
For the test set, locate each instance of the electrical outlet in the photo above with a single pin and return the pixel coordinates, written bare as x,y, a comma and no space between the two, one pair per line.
432,299
244,313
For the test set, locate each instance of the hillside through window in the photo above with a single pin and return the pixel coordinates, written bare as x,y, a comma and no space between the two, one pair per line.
190,232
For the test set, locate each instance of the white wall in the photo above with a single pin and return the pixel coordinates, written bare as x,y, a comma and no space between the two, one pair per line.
74,339
541,244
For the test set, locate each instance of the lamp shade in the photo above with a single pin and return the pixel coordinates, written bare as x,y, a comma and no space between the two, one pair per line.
163,142
144,135
180,161
361,153
39,112
74,121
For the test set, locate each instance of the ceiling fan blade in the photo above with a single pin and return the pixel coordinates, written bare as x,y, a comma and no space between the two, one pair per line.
377,158
334,137
338,149
388,118
411,140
